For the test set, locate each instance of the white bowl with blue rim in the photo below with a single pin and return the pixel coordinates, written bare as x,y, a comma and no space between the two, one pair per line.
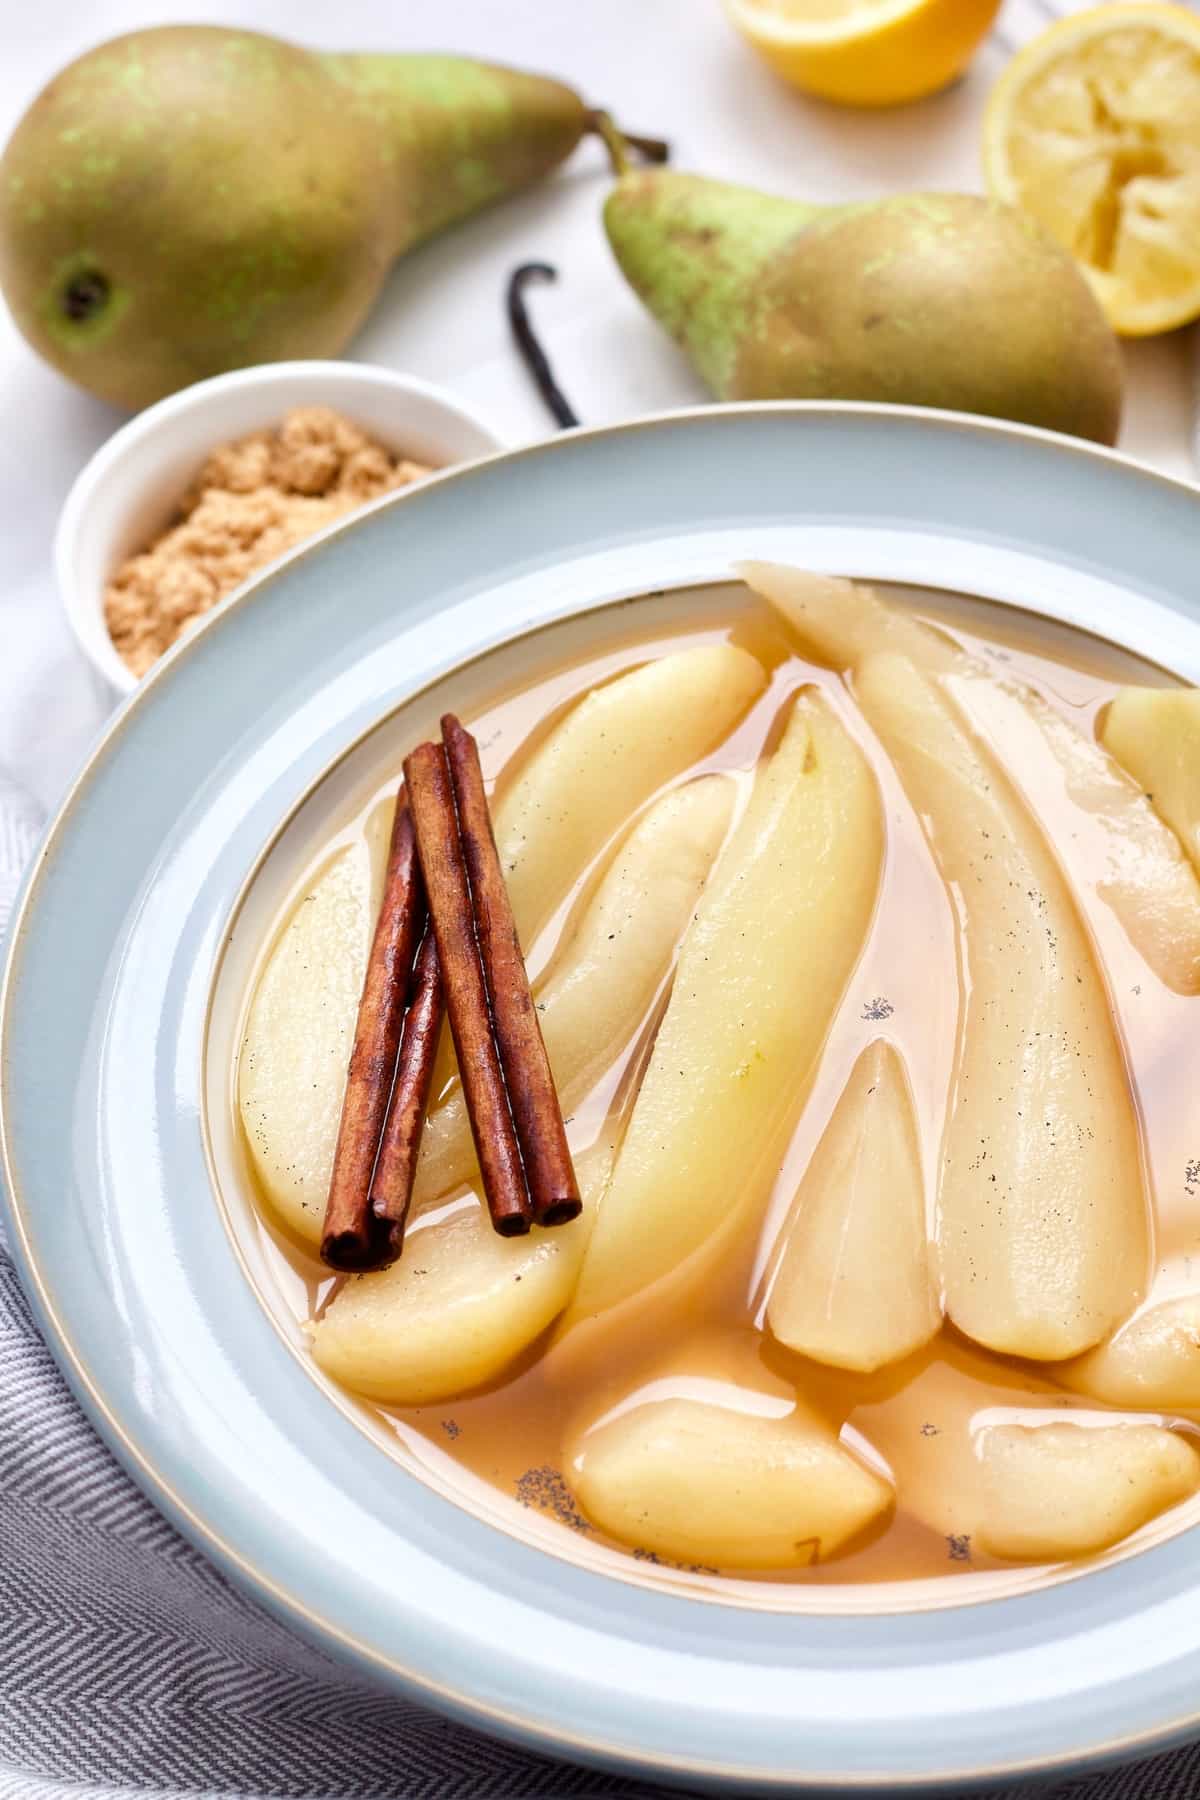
108,1136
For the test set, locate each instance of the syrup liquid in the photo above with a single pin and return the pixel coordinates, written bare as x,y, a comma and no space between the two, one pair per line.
501,1450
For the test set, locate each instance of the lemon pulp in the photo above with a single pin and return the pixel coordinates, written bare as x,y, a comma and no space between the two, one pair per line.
1095,130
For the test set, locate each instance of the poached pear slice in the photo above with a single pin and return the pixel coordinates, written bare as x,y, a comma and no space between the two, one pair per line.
760,972
613,748
1054,1491
1155,734
1004,1473
460,1305
856,1285
736,1483
1152,1361
1042,1195
300,1030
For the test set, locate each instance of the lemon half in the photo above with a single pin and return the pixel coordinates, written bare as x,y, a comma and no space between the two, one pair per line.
1095,129
865,52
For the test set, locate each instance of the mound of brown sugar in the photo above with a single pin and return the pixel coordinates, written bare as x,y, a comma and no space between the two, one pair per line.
251,501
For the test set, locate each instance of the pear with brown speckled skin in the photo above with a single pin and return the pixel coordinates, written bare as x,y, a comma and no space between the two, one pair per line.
944,300
190,199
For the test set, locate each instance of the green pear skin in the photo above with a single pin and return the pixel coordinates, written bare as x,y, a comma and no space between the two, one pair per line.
945,300
190,199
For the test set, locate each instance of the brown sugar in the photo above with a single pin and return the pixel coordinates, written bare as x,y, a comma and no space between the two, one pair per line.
251,501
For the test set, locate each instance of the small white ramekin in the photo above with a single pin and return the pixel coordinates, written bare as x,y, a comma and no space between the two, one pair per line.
129,488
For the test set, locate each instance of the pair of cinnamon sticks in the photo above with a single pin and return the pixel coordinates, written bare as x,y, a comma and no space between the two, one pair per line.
445,942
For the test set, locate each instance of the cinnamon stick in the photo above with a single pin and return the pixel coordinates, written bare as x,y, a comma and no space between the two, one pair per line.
352,1239
395,1171
533,1100
447,887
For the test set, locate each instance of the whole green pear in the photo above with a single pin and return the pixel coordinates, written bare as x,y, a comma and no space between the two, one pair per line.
944,300
191,199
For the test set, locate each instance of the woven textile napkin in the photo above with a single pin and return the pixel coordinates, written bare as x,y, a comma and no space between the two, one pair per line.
20,823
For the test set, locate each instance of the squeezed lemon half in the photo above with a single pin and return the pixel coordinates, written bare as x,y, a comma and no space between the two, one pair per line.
865,52
1095,129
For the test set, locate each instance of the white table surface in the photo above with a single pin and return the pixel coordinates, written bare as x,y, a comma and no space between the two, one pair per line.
669,66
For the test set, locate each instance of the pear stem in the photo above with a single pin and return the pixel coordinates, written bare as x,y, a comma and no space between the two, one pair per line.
620,143
531,352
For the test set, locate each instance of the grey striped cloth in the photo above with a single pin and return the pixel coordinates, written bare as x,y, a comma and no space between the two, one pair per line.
20,823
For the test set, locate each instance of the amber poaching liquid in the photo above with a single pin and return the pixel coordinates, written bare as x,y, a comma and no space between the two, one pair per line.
500,1451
